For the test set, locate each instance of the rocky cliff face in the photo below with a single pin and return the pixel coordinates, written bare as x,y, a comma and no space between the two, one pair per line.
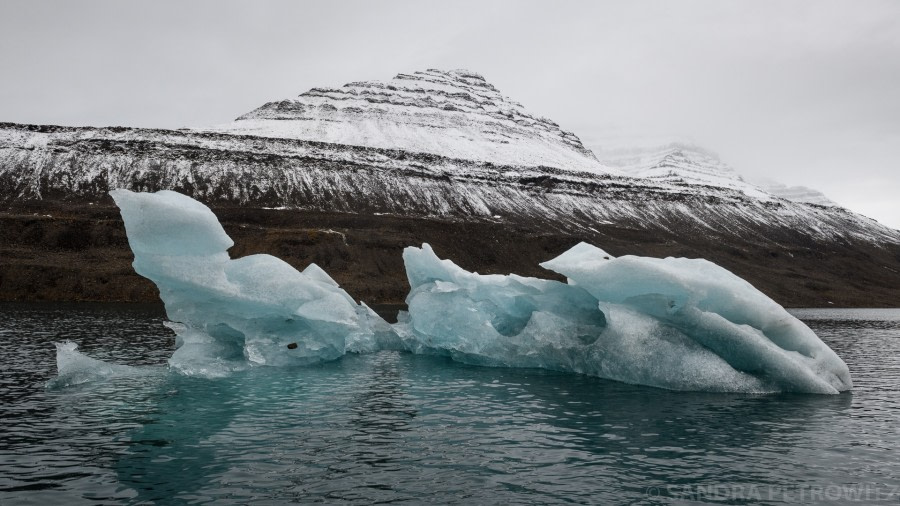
446,149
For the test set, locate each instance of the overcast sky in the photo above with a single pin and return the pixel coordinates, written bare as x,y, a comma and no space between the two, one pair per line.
805,92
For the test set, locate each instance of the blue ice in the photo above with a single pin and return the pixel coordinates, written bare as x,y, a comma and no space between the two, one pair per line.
675,323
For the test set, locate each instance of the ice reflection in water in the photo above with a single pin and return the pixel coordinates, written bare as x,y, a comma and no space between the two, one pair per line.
395,427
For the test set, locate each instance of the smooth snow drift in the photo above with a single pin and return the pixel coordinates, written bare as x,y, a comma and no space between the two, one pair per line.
672,323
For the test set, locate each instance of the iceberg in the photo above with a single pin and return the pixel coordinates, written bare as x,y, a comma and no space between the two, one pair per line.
675,323
76,368
227,313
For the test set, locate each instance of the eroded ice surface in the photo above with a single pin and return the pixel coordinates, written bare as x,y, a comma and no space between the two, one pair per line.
231,313
673,323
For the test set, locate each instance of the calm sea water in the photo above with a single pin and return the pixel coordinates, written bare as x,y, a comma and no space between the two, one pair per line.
394,427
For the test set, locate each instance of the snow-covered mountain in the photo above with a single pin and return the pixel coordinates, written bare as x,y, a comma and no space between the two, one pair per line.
434,144
455,114
679,162
795,193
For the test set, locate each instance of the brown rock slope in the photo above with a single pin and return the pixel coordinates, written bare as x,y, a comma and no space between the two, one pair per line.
62,252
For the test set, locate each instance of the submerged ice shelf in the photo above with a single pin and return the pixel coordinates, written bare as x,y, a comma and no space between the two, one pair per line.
675,323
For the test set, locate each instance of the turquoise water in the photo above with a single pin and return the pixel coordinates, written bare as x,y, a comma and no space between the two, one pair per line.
394,427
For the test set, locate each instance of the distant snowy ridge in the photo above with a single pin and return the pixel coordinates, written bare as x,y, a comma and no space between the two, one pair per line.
796,193
458,114
82,164
454,113
681,163
432,144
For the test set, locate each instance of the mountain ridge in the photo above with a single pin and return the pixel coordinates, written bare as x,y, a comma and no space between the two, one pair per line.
528,203
452,113
275,172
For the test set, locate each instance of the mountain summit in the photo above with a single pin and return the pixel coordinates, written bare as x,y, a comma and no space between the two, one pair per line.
348,177
456,114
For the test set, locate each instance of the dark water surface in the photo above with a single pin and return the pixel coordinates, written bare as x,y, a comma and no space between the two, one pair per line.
394,427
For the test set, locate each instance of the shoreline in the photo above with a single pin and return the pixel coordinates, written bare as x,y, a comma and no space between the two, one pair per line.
77,252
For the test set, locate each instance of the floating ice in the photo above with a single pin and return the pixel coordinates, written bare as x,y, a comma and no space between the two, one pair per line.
672,323
233,313
717,309
75,368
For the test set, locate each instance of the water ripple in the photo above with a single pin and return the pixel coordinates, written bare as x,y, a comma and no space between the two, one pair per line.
393,427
